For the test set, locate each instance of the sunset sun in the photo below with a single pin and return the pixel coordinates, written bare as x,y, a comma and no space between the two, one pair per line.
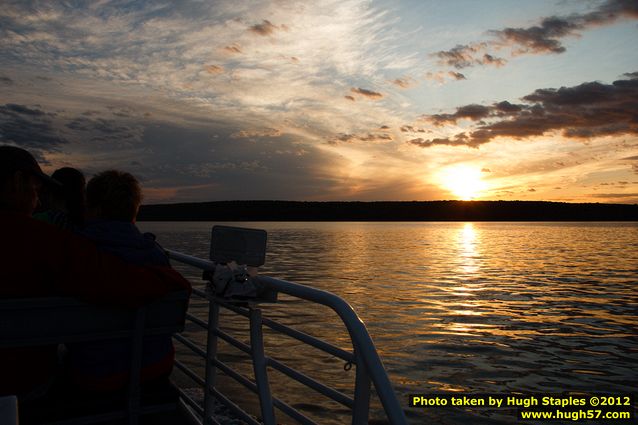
463,181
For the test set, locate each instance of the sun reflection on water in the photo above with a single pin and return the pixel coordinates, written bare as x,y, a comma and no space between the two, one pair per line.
468,251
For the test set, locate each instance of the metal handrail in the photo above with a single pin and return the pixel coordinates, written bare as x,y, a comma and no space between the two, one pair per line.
365,356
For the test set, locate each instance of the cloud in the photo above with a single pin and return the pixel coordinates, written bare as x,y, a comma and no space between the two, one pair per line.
488,59
264,29
367,137
404,82
411,129
614,195
585,111
6,80
153,56
367,93
349,97
124,131
426,143
472,112
267,132
29,127
172,48
456,75
208,169
461,56
214,69
441,76
465,56
233,48
543,38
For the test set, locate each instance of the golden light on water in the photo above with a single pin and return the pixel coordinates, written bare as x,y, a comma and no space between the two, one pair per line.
468,251
463,181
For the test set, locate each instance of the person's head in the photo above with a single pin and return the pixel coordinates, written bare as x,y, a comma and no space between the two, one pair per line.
114,195
20,180
71,196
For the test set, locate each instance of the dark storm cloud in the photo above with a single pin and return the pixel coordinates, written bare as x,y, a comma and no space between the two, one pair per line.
367,93
543,38
201,168
111,131
6,80
29,127
100,125
581,112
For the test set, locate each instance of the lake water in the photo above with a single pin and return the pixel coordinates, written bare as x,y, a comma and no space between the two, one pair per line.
472,307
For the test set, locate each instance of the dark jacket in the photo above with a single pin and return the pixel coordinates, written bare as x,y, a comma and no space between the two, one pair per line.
126,242
38,259
105,365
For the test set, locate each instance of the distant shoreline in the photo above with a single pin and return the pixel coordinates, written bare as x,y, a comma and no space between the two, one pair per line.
388,211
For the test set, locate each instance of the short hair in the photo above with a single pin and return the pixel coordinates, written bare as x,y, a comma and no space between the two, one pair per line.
72,192
117,195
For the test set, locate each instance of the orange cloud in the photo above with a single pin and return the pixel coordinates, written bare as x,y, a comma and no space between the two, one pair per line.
214,69
404,82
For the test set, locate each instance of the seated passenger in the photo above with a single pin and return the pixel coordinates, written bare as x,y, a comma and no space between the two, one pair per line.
113,200
38,260
64,205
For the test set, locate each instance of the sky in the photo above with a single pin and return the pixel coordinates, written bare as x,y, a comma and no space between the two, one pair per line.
330,100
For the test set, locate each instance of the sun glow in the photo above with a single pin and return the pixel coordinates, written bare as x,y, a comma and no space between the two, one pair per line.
463,181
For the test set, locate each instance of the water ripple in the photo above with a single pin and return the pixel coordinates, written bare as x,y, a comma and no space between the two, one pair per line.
483,307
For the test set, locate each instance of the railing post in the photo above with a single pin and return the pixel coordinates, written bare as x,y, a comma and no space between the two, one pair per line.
259,367
361,406
211,354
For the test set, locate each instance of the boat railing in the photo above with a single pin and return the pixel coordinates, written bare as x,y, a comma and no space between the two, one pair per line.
369,368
